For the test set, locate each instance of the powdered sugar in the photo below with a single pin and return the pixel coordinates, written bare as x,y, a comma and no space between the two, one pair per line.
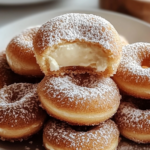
104,91
62,134
81,27
130,116
18,102
129,145
130,67
24,40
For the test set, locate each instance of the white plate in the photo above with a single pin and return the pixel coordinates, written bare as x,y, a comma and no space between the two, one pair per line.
133,29
20,2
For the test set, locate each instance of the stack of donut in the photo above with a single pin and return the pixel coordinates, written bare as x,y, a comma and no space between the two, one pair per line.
133,79
77,54
20,114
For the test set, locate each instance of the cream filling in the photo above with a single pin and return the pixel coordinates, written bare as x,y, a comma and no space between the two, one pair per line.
76,54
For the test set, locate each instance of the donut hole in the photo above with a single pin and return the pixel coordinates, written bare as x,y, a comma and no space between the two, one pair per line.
83,128
84,80
12,97
14,93
145,63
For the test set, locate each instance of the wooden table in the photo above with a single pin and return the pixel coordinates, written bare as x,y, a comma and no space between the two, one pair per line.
137,8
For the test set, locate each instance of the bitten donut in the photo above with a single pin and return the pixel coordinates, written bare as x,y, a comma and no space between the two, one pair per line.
20,114
60,135
20,55
79,100
61,43
133,121
133,74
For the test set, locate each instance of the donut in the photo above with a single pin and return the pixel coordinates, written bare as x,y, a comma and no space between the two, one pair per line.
60,135
79,99
20,114
123,40
133,74
61,42
130,145
7,76
133,121
20,55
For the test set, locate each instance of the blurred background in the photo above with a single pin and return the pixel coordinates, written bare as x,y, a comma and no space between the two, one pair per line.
136,8
11,10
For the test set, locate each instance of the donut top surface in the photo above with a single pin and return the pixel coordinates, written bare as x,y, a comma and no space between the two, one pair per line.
101,135
79,92
18,103
131,116
134,56
71,27
23,41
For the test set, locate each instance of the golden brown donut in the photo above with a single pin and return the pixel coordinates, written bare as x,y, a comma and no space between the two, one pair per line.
130,145
61,136
133,74
7,76
20,114
20,55
79,100
78,43
133,120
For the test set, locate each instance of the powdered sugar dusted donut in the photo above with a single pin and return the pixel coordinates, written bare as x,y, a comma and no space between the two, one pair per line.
81,99
130,145
20,114
133,74
20,55
134,122
59,135
78,43
7,76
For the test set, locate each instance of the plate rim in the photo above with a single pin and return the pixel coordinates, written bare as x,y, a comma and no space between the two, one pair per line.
24,22
22,2
76,9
